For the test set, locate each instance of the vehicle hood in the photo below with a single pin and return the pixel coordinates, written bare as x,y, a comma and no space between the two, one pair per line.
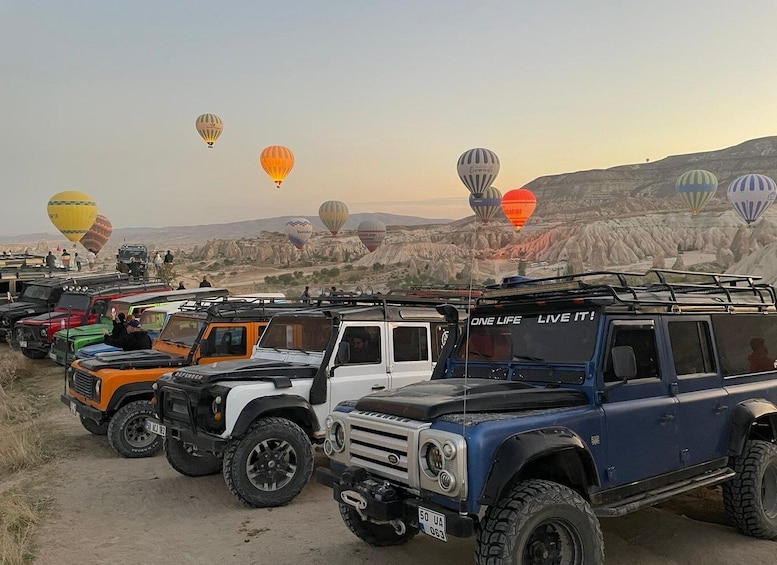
246,370
142,359
14,308
51,318
83,331
428,400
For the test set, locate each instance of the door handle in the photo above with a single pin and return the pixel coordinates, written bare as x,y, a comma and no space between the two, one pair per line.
720,408
378,387
665,418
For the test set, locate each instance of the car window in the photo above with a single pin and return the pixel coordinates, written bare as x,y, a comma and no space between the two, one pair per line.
364,343
410,344
746,343
691,348
226,341
643,342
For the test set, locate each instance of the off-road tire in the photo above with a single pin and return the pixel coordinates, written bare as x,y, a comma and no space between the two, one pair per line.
276,434
93,427
750,498
189,461
33,353
380,535
535,517
126,434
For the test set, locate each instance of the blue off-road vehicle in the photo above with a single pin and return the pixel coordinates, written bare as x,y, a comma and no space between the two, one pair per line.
568,399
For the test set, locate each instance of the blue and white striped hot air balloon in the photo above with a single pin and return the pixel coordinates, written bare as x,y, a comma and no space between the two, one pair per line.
477,169
751,195
697,188
299,231
487,205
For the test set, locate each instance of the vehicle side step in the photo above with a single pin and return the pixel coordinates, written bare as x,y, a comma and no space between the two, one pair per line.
655,496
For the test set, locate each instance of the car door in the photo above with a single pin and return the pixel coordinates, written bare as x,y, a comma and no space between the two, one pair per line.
703,403
641,433
362,374
409,350
223,342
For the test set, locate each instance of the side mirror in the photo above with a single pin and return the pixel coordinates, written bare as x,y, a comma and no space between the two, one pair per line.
343,353
624,362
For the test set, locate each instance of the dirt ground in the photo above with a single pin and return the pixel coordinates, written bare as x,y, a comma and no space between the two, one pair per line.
108,510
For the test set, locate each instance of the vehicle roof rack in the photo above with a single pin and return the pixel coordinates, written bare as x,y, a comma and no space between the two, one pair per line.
224,303
398,297
653,288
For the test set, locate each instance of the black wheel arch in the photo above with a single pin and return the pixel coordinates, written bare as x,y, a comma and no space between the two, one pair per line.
744,415
289,406
129,393
526,454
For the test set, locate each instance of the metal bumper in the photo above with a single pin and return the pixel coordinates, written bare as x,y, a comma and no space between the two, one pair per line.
83,409
201,440
384,504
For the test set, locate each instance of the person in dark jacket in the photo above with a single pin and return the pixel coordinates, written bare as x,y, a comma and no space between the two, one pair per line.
205,283
135,339
119,325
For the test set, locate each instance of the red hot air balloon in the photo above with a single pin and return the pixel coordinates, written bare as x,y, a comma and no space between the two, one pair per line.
98,234
371,233
518,204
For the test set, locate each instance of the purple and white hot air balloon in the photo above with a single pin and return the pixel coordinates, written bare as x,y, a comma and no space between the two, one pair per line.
487,206
299,231
750,195
371,233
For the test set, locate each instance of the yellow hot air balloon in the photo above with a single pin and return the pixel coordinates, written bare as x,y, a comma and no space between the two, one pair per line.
72,213
277,161
209,126
333,214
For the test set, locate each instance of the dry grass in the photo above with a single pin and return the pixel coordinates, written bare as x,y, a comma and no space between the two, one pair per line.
21,448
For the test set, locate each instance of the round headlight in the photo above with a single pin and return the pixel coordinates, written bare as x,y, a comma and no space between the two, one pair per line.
154,386
449,450
215,405
447,481
44,332
337,436
4,322
432,457
328,422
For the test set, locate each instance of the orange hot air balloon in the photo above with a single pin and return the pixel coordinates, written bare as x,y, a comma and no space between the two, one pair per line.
518,204
277,161
98,234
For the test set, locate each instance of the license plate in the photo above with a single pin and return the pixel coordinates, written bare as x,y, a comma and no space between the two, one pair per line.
23,344
53,356
432,523
73,410
155,428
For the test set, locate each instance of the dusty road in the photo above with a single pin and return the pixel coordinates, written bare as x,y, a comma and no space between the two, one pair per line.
109,510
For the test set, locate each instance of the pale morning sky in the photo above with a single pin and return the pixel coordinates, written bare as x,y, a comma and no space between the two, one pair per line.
377,99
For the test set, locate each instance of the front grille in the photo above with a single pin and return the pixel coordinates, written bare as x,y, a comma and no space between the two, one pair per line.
385,445
59,345
84,384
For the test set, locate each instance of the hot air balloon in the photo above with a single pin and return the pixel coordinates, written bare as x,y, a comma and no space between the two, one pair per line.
98,234
477,169
751,195
209,126
299,231
487,205
518,204
334,214
372,233
697,188
277,161
72,213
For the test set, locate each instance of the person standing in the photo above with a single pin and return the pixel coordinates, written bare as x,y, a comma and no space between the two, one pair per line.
158,262
205,283
305,296
90,259
51,262
66,259
134,269
168,257
180,286
78,261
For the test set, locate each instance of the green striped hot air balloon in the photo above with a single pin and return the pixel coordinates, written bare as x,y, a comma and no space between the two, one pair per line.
697,188
209,126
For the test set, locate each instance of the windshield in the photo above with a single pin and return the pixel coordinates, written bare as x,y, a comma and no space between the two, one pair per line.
306,333
74,302
562,337
182,330
35,292
125,254
150,320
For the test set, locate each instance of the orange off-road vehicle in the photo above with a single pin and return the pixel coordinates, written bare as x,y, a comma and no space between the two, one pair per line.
111,392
